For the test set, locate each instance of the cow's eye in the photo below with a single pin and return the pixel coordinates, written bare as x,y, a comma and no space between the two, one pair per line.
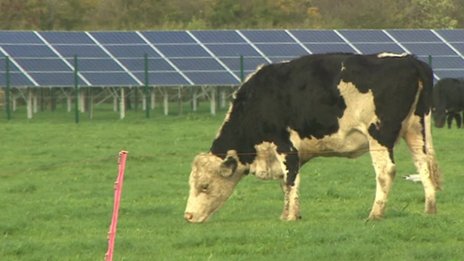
204,187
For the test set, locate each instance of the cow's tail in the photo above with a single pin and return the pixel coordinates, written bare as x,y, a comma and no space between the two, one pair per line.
435,174
425,111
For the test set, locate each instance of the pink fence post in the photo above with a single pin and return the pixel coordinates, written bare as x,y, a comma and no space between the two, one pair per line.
117,200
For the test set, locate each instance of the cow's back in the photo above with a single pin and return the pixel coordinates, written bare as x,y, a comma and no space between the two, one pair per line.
304,98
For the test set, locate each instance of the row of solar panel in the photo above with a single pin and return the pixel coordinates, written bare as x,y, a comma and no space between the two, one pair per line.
201,57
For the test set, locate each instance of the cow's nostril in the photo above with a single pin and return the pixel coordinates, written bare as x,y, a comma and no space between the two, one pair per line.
188,216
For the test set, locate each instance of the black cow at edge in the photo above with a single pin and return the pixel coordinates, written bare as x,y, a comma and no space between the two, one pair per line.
340,105
448,100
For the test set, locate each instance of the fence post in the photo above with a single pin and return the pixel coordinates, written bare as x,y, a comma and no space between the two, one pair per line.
242,73
117,201
147,98
76,88
7,84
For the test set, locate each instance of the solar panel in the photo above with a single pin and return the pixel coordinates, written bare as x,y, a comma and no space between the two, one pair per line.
429,49
154,64
82,51
454,35
54,78
168,37
43,64
411,36
16,79
371,48
203,57
218,37
162,78
66,37
132,51
182,50
232,50
317,36
18,37
329,47
285,50
267,36
365,36
106,38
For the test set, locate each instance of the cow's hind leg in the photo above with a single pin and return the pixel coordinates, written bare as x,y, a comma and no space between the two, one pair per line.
458,119
423,155
385,170
291,209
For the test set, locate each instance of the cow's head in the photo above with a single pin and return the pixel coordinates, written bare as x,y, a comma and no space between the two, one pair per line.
439,116
211,181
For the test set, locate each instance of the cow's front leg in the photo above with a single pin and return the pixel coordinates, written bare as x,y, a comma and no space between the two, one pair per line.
291,209
385,170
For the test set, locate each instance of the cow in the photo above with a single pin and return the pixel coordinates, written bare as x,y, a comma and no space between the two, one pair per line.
448,102
334,104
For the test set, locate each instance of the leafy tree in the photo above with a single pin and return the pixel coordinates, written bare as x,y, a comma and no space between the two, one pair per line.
216,14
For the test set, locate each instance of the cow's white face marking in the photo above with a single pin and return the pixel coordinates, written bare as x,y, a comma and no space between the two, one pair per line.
211,181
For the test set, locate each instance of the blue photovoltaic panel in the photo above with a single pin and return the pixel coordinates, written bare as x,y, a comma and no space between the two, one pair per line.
316,36
249,64
163,78
131,51
233,50
110,79
459,47
165,37
410,36
18,37
28,51
117,37
96,65
457,73
16,79
82,51
54,78
228,37
170,51
329,47
371,48
270,36
429,49
66,38
13,67
43,64
455,35
198,64
208,78
183,50
365,36
154,64
282,50
445,62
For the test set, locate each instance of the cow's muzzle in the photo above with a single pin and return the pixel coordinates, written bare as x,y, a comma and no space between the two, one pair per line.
191,218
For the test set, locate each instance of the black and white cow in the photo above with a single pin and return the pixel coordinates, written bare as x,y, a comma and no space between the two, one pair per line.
319,105
448,102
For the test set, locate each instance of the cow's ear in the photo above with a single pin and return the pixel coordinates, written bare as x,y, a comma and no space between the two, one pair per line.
228,166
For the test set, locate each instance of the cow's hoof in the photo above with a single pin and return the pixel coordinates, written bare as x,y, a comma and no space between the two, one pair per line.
373,217
291,218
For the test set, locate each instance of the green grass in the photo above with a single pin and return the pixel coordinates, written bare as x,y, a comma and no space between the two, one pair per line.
56,198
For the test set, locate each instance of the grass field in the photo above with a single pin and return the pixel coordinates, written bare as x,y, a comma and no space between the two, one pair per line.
56,198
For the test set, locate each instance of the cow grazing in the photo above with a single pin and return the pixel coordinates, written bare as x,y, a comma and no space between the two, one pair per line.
448,102
319,105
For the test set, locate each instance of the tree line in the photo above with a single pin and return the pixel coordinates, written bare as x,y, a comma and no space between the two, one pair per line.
228,14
